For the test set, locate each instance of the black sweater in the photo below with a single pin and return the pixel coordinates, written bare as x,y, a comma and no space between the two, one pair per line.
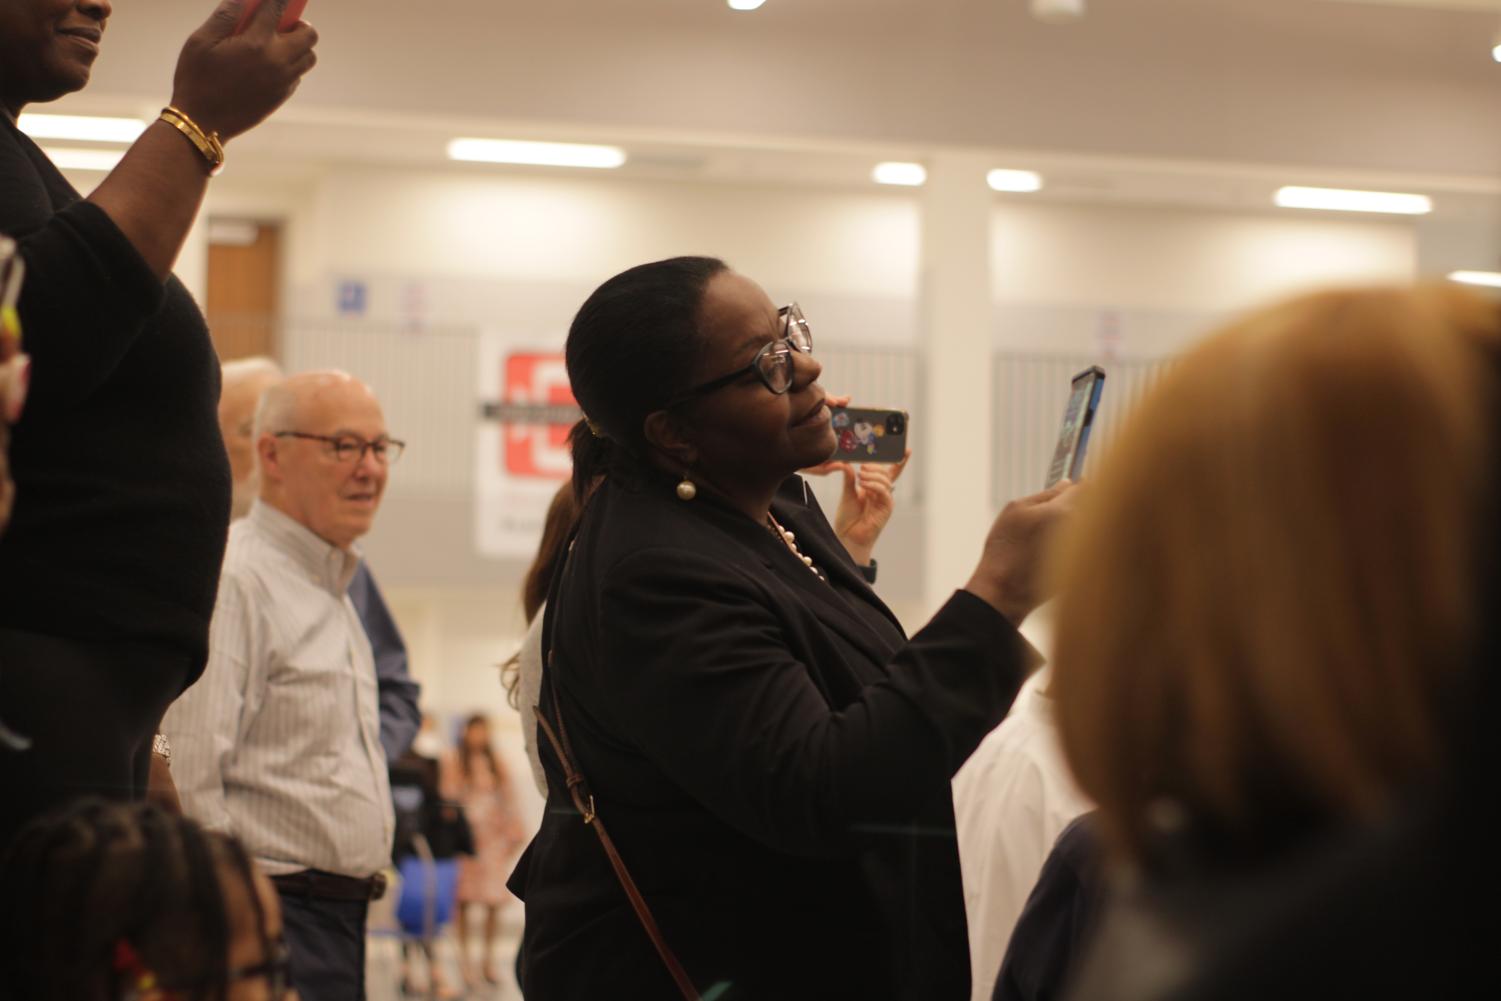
122,504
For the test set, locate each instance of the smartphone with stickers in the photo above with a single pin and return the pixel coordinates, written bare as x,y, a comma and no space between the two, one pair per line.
289,18
866,435
1078,421
15,367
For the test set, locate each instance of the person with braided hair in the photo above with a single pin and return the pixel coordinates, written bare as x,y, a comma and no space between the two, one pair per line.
106,901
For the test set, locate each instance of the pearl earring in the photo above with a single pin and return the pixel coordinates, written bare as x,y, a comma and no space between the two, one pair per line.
687,489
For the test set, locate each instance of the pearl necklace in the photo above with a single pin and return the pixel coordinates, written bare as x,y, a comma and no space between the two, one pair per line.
790,541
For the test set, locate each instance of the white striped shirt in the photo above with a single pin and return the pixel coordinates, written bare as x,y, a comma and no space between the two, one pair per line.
279,742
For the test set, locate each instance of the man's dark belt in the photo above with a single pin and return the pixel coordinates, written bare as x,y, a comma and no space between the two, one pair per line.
320,885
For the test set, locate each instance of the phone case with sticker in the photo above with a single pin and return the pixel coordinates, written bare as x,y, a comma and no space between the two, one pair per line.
865,435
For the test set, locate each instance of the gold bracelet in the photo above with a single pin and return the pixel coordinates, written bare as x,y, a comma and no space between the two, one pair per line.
206,143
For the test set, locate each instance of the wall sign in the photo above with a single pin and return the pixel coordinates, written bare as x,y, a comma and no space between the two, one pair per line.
525,412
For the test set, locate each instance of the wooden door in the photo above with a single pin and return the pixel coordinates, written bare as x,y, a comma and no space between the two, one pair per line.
244,271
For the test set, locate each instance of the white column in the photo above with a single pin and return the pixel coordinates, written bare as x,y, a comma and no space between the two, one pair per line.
956,429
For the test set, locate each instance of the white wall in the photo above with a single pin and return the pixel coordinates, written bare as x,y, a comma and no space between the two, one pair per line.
546,230
1160,275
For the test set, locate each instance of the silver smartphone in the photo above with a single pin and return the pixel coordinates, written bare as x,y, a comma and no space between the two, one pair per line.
1078,419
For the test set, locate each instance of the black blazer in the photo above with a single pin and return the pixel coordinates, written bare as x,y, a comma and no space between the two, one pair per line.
770,754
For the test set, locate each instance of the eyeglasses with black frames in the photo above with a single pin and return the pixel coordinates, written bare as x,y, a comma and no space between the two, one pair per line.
351,448
277,970
772,364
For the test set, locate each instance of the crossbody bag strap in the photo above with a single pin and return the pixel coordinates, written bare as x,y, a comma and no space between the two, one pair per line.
583,800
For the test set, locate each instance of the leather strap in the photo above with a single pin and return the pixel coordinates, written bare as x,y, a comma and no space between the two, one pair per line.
583,800
315,884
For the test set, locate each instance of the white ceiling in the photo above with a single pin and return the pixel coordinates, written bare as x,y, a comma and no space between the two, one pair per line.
1466,5
1216,88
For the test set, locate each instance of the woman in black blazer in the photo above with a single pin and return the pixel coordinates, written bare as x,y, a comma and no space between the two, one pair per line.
770,753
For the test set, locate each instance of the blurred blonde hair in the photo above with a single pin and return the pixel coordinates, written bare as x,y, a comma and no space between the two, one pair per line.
1268,588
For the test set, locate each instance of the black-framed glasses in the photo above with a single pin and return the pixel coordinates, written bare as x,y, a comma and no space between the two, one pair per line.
276,969
351,448
772,364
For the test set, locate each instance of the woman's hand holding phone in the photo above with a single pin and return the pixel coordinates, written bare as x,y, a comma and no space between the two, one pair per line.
1010,577
866,505
289,17
235,71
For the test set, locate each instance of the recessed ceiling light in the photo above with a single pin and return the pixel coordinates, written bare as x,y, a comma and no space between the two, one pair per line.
1014,180
1340,200
1496,52
72,158
81,128
911,175
745,4
1058,11
1490,279
536,154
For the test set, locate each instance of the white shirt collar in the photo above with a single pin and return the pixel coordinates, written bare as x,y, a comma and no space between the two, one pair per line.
327,564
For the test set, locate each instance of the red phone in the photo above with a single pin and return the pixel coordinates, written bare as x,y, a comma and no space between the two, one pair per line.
289,19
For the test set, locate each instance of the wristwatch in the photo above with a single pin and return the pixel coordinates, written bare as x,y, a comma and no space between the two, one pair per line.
162,748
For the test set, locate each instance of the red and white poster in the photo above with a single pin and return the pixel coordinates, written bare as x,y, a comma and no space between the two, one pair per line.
524,415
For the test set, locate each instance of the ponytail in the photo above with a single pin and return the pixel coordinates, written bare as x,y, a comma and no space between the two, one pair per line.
592,457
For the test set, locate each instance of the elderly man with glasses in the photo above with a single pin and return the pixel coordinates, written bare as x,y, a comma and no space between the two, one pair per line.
245,381
279,743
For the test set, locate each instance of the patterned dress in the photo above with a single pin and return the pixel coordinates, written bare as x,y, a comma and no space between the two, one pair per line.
498,834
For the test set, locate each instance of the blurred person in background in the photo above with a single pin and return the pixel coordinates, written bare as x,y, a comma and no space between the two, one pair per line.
1057,921
108,901
770,753
279,743
1012,799
522,674
245,382
107,580
1268,619
431,834
479,781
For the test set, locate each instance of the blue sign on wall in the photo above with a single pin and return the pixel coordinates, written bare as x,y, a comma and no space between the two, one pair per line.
354,296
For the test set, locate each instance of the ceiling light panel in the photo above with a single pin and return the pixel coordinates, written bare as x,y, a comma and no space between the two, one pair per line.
1489,279
73,158
911,175
536,154
1343,200
80,128
1014,180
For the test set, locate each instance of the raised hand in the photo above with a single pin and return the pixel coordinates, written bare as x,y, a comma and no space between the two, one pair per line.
1010,575
229,83
866,504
